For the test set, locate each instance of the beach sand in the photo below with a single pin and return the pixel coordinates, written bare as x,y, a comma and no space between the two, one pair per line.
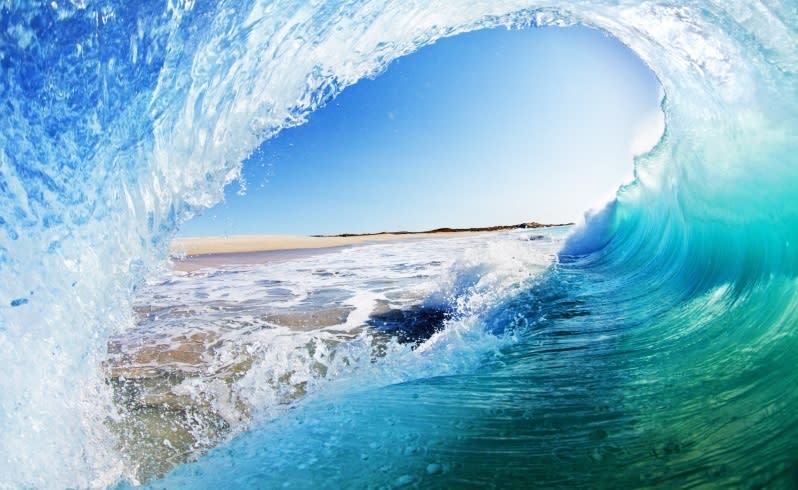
195,246
191,246
192,253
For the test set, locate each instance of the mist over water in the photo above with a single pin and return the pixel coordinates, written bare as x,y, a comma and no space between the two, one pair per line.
659,350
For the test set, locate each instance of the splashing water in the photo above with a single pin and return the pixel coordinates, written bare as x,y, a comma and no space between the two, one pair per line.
659,352
220,348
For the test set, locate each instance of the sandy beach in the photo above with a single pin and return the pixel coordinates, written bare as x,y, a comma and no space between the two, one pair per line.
193,253
197,246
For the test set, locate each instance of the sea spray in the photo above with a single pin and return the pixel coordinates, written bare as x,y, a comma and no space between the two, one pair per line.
223,348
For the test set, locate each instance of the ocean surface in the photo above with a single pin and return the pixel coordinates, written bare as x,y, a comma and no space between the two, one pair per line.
224,348
653,346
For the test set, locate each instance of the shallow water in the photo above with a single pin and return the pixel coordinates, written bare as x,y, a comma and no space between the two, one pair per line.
217,347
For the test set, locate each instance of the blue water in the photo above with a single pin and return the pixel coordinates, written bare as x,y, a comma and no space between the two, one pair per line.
658,351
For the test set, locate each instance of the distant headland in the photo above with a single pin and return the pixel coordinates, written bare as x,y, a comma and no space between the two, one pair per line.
531,224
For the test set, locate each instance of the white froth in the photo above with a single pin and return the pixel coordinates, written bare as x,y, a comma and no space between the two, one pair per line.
243,343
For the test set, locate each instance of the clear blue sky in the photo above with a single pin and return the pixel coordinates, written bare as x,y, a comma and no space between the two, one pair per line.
491,127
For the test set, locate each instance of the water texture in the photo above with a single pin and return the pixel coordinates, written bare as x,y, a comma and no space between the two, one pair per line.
224,348
658,350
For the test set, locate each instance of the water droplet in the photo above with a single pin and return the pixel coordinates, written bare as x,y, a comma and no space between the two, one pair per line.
19,302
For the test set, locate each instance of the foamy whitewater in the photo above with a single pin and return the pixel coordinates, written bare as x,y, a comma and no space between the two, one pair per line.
657,348
219,348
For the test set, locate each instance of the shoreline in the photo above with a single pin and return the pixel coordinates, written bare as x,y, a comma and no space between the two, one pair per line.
191,254
192,248
188,248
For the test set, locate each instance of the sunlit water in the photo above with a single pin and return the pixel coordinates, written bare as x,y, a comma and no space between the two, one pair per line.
660,351
221,346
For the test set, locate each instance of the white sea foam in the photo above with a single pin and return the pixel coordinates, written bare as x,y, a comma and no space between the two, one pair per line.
241,343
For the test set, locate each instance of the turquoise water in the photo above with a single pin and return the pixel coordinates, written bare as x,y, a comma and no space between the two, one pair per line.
658,350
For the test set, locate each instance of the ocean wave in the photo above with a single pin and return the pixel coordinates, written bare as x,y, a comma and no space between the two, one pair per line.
121,121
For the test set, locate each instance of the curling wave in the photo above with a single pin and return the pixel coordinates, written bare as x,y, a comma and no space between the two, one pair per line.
660,351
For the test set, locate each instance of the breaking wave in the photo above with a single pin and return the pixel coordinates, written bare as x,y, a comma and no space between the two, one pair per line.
660,350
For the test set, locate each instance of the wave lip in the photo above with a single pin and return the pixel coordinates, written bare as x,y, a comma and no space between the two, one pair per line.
594,233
